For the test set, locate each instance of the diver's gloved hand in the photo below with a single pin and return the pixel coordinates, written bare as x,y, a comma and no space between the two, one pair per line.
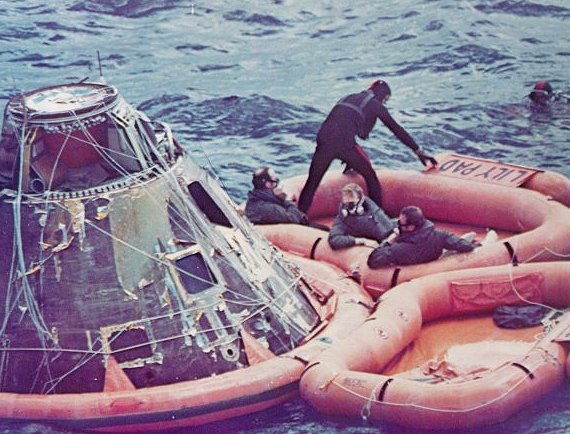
425,158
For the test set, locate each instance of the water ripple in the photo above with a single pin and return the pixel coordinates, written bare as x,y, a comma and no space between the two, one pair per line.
257,116
434,26
51,25
403,37
455,59
126,8
18,34
523,8
243,16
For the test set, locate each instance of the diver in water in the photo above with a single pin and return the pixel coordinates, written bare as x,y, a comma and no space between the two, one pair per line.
355,115
543,94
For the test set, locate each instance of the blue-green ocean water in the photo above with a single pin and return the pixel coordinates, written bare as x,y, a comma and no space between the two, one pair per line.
247,83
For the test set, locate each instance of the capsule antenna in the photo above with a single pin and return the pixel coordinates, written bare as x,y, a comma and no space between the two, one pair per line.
101,78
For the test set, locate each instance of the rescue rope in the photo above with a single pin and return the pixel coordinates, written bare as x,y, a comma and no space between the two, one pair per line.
136,322
365,412
548,250
33,308
522,298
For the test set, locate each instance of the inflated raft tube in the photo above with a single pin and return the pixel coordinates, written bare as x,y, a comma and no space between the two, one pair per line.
344,380
268,381
540,226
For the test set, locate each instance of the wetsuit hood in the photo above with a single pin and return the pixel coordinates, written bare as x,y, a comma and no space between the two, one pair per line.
380,89
541,93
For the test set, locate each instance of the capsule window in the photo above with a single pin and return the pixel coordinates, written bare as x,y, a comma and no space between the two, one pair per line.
131,344
207,205
120,156
194,273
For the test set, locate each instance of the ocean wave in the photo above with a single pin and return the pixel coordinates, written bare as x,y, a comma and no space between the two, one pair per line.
199,47
54,26
256,116
255,18
523,8
213,67
454,59
126,8
18,34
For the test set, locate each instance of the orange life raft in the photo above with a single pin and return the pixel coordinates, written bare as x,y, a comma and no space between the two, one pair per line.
531,225
345,379
342,305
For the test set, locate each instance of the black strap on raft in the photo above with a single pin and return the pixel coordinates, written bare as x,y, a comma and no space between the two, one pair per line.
314,248
382,391
512,254
366,305
301,359
525,369
309,367
395,275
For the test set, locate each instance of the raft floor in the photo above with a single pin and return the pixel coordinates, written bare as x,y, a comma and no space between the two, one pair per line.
462,345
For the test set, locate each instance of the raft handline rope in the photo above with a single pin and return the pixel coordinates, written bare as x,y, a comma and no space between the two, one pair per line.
365,411
528,373
521,297
546,249
424,407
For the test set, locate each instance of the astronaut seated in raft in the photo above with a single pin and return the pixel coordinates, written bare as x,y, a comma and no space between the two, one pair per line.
267,203
411,239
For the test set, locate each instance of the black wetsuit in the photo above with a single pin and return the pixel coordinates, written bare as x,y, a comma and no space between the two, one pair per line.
354,115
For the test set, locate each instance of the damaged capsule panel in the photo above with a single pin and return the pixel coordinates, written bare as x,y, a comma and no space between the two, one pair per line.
124,263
